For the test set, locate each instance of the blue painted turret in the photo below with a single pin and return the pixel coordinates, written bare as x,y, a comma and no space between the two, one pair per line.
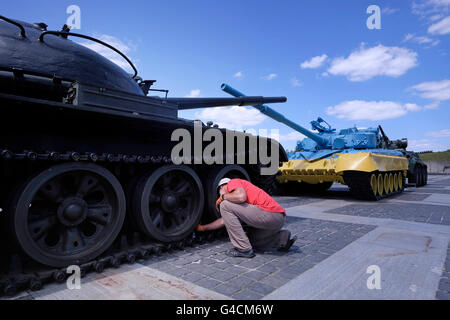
327,141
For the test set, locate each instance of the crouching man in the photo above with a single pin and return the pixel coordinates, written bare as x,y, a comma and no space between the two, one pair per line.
242,202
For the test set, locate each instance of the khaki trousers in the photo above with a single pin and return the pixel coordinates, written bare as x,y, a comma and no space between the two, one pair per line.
265,227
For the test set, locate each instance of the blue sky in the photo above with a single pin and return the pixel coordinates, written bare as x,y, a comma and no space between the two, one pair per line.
320,54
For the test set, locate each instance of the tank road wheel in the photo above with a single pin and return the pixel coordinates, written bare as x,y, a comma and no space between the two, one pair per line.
374,184
380,182
391,183
395,177
364,185
425,176
415,176
68,214
168,203
386,184
212,180
420,174
400,182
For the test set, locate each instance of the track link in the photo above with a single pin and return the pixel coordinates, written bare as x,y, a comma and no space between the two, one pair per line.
25,275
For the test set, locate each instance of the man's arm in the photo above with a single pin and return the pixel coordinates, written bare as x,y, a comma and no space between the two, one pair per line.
212,226
238,195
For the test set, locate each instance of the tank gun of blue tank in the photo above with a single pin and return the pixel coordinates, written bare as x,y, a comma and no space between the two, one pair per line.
271,113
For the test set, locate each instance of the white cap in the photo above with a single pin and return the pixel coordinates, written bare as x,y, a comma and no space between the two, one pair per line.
223,181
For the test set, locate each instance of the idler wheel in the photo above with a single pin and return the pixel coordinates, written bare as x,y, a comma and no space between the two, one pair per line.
168,203
68,214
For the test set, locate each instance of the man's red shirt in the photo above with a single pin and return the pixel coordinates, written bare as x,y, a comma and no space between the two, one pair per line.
255,195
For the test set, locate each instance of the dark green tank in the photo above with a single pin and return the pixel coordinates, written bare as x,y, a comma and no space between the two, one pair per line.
417,170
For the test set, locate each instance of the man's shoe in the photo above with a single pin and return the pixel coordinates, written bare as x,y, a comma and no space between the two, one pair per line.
288,245
239,254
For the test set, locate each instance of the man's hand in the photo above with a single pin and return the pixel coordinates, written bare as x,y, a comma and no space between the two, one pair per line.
219,201
217,224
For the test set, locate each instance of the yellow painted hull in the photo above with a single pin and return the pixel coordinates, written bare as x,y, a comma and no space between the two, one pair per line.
332,170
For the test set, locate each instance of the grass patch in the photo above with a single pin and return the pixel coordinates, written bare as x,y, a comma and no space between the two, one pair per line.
436,156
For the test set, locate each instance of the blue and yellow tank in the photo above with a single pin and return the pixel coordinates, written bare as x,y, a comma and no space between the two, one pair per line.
352,156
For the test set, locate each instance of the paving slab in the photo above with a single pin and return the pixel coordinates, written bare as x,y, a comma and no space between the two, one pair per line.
409,263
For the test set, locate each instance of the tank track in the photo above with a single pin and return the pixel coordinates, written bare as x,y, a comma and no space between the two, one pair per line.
359,184
20,273
25,275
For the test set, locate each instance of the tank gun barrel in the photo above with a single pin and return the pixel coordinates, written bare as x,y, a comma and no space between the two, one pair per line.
385,137
393,144
278,116
195,103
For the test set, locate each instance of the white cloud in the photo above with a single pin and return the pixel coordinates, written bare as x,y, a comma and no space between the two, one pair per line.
410,37
364,64
238,74
270,76
234,117
444,133
108,53
435,17
296,83
434,90
314,62
388,11
442,27
430,9
371,110
291,136
194,93
425,145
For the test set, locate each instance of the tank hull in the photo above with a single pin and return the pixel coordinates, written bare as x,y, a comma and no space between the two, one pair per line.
357,170
333,168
